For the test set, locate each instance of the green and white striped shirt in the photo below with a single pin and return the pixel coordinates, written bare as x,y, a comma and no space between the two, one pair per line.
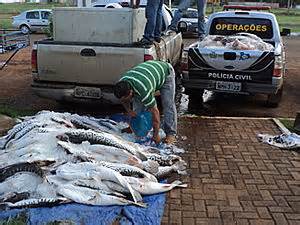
146,78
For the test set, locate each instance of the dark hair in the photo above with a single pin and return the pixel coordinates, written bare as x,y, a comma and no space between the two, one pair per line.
122,89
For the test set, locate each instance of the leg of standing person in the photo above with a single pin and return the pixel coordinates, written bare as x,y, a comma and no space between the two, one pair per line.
151,14
201,5
182,7
157,30
167,93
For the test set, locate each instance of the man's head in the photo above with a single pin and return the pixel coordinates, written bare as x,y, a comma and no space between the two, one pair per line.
123,91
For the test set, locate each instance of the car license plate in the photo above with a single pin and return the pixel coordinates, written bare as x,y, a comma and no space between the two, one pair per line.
87,92
228,86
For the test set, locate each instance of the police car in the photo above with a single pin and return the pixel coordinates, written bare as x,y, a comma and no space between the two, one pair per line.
238,71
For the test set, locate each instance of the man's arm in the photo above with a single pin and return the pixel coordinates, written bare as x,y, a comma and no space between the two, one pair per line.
126,105
155,123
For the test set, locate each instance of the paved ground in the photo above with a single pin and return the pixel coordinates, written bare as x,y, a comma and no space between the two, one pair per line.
233,178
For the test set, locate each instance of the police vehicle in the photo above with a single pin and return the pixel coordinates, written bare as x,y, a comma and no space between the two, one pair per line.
238,71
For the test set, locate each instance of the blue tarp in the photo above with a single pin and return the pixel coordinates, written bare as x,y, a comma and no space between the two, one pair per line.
81,214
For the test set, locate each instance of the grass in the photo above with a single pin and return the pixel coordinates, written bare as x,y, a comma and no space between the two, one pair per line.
288,123
14,113
286,19
16,8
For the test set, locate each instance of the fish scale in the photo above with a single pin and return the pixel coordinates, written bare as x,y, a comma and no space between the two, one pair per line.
20,167
21,133
102,138
34,202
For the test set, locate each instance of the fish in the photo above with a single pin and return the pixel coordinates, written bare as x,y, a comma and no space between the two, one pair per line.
164,160
86,170
165,171
37,202
78,136
11,170
127,170
28,125
92,197
86,123
20,182
98,152
150,188
14,196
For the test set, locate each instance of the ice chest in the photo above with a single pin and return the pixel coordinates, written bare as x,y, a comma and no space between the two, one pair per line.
98,25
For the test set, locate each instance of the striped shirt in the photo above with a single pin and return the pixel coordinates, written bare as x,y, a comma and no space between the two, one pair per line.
146,78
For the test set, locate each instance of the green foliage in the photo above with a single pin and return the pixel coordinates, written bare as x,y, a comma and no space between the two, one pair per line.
13,112
288,123
49,29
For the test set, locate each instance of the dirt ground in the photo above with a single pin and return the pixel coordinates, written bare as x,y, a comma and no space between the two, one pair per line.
15,91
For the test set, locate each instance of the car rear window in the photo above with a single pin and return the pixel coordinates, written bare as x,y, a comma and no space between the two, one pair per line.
231,25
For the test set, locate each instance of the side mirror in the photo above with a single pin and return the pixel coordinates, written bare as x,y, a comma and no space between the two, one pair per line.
285,32
182,26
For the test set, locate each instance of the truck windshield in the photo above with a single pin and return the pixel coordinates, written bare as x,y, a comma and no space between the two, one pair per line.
231,25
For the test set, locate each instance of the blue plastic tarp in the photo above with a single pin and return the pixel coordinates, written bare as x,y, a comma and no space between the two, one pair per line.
81,214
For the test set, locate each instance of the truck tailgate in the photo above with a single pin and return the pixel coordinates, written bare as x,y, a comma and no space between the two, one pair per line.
85,64
231,65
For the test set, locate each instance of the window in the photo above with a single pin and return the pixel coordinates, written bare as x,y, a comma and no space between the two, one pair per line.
231,25
45,15
33,15
190,14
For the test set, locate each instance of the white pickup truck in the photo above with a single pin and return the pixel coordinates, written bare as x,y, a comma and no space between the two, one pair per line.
86,69
237,70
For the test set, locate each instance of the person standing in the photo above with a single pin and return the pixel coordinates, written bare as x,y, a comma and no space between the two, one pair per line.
139,85
182,7
153,26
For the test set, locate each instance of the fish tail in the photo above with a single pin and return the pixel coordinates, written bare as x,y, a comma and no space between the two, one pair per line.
178,183
135,195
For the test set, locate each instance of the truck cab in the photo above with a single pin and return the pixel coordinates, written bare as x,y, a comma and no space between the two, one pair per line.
239,71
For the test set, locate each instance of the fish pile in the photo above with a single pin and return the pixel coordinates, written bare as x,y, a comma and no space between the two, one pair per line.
239,41
52,158
284,141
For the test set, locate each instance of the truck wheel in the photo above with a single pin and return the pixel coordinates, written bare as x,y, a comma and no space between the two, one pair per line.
274,99
195,95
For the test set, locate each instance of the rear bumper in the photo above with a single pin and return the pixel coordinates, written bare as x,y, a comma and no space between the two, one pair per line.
247,87
66,92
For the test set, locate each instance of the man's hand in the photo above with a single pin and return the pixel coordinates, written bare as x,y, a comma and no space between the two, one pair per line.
131,113
156,138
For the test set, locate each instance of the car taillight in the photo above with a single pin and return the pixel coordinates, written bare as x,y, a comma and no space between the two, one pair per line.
148,57
34,60
278,64
184,61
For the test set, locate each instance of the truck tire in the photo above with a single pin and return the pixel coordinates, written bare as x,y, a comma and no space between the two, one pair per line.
195,95
274,99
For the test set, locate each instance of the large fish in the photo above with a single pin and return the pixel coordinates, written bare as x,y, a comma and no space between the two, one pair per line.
149,187
92,197
36,202
78,136
86,170
165,171
95,153
99,152
127,170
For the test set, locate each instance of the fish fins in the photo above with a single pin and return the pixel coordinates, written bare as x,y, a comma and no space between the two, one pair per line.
180,167
150,166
